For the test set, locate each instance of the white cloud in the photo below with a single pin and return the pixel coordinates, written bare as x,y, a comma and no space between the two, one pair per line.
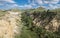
10,1
51,1
11,5
6,4
1,4
26,6
15,5
43,2
47,1
39,1
54,6
31,4
55,1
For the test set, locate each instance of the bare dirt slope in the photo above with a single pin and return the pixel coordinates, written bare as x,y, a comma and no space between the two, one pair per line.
8,25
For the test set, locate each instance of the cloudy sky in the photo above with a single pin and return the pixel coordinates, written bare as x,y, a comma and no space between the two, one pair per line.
27,4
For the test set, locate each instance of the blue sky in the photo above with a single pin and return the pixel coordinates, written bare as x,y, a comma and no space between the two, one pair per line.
27,4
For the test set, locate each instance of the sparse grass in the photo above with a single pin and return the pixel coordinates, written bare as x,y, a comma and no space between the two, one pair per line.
28,34
2,13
